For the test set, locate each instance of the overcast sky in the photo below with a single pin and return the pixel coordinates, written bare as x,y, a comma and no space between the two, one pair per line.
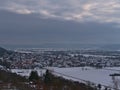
36,22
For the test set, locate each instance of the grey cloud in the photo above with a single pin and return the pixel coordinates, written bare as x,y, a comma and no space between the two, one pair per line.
29,29
77,10
51,21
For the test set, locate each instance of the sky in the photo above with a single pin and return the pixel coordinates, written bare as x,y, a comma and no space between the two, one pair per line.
58,22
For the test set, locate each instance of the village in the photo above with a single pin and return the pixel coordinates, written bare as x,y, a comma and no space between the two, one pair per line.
80,58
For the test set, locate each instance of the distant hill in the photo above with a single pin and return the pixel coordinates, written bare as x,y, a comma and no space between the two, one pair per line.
111,47
2,51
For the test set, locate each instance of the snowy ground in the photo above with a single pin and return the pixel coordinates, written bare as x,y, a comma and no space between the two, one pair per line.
26,72
97,76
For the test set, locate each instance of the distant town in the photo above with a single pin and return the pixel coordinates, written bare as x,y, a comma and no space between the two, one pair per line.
38,58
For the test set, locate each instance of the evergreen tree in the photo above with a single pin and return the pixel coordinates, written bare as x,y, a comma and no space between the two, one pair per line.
33,76
99,86
47,77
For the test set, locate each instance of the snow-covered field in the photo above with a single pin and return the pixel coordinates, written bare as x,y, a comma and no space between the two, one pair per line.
97,76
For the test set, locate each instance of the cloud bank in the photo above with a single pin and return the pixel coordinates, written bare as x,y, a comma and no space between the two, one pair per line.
36,22
76,10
